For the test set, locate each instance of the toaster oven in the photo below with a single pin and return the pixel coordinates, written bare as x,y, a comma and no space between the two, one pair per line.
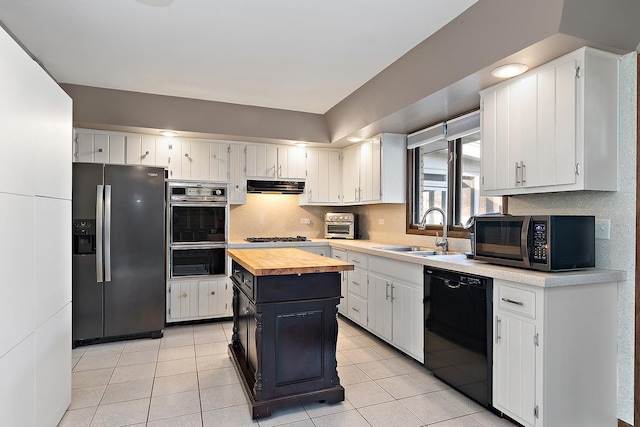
340,225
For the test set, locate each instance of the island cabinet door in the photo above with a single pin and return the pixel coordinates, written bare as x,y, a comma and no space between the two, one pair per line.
298,342
246,330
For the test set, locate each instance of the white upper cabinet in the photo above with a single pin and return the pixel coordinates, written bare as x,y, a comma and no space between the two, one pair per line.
374,171
219,161
553,128
324,178
370,172
267,161
92,147
261,161
291,163
237,175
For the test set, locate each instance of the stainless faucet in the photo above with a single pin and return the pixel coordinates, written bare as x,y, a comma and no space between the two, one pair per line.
444,243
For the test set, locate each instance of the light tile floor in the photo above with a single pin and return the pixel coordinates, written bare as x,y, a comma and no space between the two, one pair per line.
186,379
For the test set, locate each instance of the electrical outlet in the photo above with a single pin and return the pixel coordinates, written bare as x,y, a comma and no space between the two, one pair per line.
603,229
381,221
305,221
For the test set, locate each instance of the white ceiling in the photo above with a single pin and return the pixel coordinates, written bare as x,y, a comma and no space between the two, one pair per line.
288,54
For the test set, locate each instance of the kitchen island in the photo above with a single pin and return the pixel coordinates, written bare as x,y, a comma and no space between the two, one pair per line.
285,327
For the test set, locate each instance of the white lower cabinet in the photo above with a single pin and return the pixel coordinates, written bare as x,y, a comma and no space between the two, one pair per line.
198,299
357,288
554,354
318,250
380,306
395,304
341,255
408,317
385,297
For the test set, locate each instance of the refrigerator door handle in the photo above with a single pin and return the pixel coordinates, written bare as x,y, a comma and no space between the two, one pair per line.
107,233
99,222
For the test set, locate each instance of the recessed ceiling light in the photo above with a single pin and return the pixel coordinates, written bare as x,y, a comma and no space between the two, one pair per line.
509,70
301,144
168,133
354,139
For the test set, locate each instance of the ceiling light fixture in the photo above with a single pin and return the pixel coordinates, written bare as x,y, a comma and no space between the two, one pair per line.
509,70
302,144
168,133
354,139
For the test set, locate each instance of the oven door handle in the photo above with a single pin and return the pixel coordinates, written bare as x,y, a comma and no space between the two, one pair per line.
198,204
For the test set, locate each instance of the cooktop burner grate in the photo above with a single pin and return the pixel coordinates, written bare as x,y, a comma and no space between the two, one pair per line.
276,239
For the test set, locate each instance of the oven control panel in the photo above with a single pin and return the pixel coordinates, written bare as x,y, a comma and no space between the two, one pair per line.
539,249
197,192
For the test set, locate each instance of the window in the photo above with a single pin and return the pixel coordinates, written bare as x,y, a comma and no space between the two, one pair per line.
446,175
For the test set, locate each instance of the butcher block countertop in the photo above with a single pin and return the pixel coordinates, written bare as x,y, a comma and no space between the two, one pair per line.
282,261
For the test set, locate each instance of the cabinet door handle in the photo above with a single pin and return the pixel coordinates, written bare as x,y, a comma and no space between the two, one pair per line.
524,169
236,271
184,295
213,292
498,322
387,291
392,297
510,301
517,174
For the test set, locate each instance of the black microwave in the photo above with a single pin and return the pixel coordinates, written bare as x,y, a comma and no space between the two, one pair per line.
541,242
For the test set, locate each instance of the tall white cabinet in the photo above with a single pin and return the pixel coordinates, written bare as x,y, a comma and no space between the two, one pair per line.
35,250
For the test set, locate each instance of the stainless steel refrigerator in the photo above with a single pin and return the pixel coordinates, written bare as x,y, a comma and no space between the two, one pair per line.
118,270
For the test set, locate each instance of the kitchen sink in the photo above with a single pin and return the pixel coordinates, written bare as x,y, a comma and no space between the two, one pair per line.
402,248
415,250
423,253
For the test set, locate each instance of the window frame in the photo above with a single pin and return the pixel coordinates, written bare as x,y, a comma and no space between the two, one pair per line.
454,169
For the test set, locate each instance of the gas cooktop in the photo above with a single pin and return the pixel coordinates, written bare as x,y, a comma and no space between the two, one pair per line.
276,239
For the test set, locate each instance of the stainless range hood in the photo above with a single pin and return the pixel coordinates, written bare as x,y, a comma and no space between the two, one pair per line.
275,187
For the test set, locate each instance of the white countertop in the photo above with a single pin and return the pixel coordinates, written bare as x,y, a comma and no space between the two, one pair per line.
459,262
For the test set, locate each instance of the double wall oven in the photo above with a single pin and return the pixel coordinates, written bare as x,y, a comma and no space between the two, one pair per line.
197,225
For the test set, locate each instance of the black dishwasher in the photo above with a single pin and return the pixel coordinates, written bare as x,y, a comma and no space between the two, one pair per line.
458,331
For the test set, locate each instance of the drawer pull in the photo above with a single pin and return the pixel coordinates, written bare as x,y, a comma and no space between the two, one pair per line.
355,283
355,309
356,261
510,301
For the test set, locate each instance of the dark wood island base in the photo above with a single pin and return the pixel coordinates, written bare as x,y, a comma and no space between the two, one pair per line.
285,330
